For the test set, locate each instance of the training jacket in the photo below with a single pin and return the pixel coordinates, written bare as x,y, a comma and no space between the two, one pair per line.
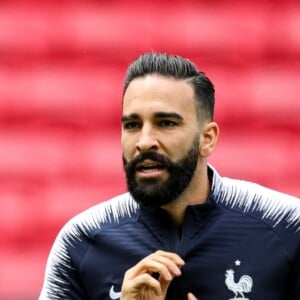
243,243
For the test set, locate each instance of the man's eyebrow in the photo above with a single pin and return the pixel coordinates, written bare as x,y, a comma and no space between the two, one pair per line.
129,117
171,115
157,115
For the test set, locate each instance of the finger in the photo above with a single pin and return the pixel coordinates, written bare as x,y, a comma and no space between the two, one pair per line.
191,297
172,265
167,264
171,256
142,282
166,270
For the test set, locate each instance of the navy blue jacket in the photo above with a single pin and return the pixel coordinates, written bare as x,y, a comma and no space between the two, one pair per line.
243,243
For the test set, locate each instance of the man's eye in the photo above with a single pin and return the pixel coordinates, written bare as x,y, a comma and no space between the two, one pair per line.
131,125
167,123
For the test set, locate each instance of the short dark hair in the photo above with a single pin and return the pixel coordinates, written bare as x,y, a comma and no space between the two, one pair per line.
179,68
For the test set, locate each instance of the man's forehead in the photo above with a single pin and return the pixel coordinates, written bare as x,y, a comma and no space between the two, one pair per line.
157,89
154,94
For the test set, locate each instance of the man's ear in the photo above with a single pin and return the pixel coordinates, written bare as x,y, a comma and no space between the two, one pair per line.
208,138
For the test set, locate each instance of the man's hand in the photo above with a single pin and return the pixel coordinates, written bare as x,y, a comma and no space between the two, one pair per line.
150,278
191,297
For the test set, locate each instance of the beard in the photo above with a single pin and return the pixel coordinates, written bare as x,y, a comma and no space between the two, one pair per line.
157,192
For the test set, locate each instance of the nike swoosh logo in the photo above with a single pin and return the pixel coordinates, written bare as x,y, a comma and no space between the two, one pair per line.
114,295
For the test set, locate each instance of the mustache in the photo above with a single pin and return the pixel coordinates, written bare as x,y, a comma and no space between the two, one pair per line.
161,159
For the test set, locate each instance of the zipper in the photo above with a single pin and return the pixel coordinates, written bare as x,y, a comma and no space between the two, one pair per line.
176,245
177,236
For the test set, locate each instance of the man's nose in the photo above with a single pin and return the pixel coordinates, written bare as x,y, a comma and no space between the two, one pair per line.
147,140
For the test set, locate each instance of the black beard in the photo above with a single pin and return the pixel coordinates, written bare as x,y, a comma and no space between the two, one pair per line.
155,192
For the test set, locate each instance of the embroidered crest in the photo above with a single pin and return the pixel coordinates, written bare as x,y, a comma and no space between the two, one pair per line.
244,285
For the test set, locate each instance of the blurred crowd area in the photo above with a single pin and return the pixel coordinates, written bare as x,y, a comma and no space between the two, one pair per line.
62,65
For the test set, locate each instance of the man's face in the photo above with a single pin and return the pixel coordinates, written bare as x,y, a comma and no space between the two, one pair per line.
160,138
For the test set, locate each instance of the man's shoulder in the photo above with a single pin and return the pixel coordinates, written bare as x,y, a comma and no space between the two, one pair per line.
113,212
252,199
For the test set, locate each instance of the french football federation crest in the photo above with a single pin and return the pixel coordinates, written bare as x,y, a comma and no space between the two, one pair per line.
243,285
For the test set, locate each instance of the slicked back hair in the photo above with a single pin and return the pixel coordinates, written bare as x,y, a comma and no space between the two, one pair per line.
179,68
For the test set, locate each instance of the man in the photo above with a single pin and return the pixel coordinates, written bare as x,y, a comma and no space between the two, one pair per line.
182,231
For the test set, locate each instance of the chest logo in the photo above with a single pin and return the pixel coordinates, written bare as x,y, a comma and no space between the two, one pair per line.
113,295
244,285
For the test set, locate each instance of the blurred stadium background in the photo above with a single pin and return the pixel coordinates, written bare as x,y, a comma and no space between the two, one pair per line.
62,64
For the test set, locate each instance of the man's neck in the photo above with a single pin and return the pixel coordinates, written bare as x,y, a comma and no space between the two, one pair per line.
197,193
